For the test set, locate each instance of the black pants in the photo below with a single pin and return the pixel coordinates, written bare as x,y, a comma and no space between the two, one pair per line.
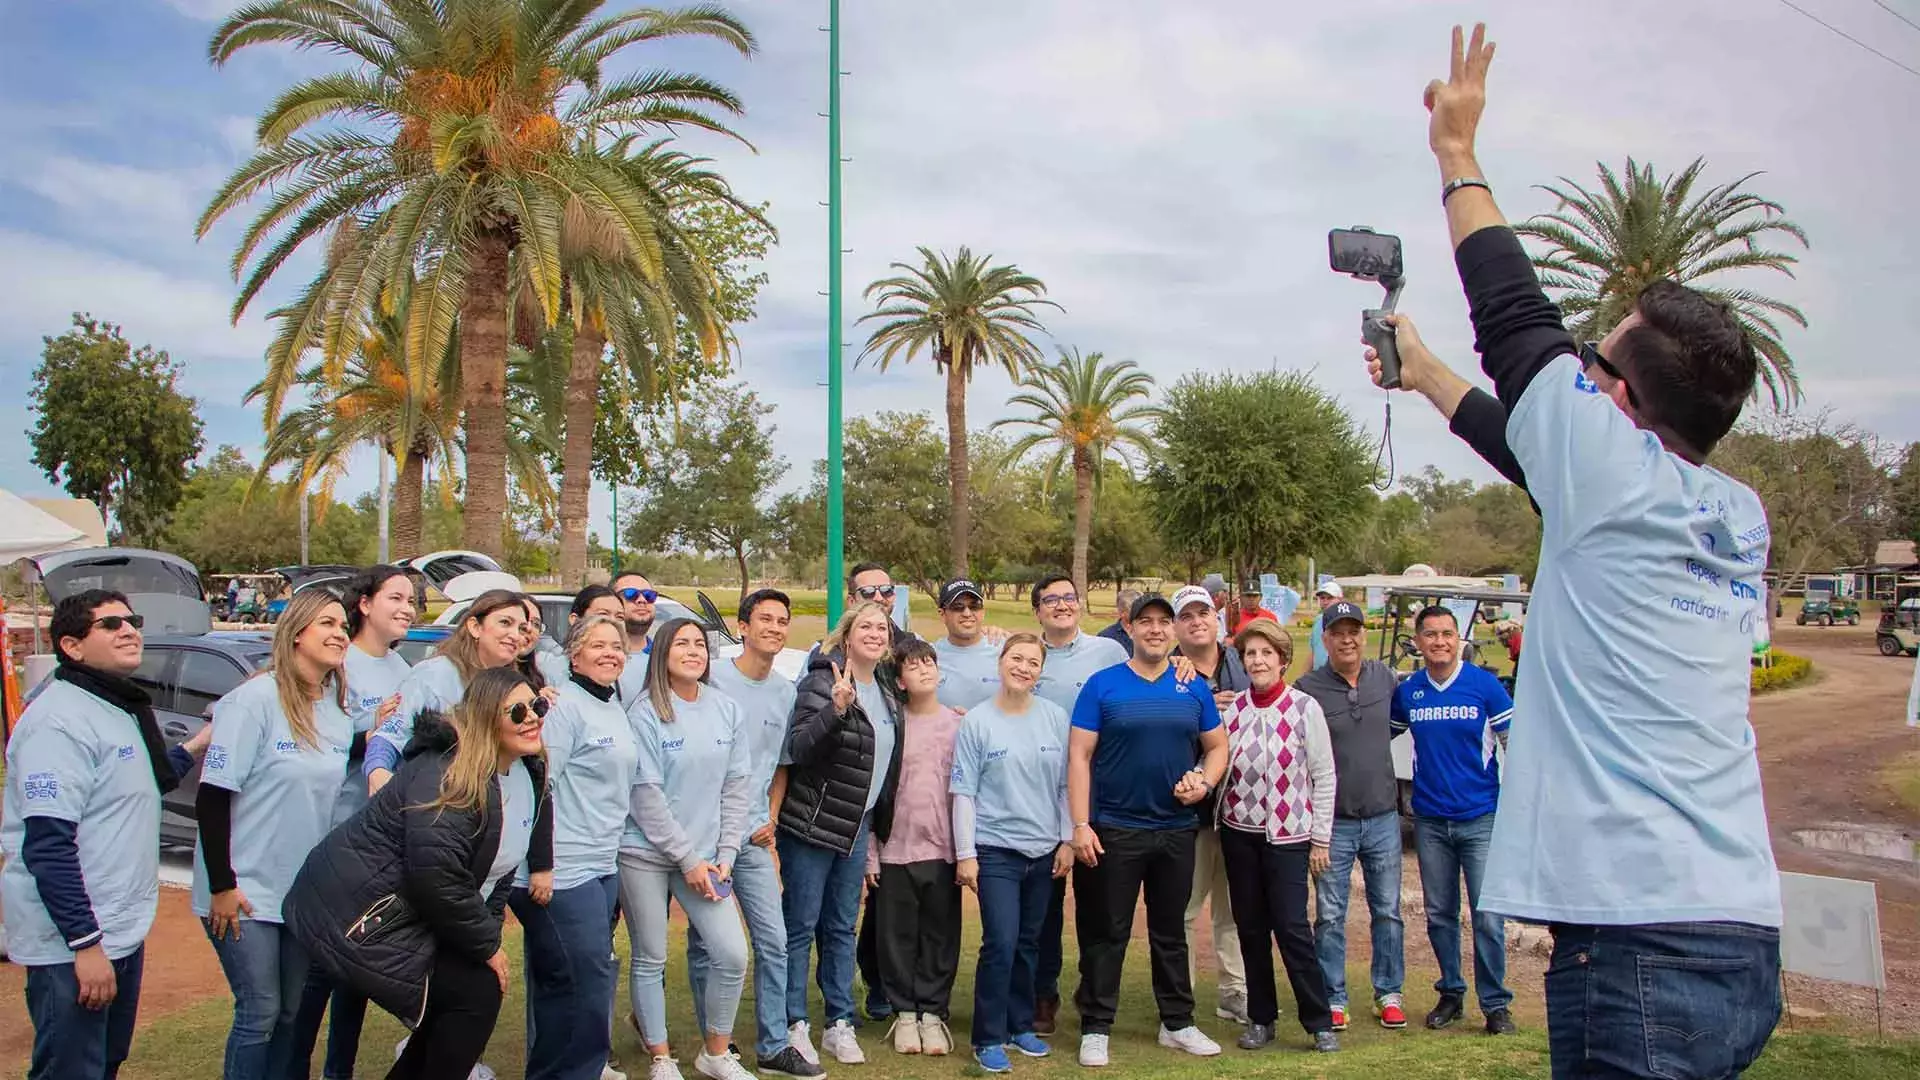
919,936
866,955
1267,884
463,1001
1104,900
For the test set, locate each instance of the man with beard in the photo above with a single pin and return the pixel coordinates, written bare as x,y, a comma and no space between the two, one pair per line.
637,596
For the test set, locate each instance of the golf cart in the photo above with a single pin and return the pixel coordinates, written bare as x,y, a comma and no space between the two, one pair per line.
1899,631
1827,603
243,598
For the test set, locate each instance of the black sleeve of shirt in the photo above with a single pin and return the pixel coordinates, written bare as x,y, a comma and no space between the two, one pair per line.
51,853
1516,329
213,811
181,761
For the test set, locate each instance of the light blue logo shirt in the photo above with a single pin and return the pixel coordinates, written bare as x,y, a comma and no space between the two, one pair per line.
1632,791
591,755
1015,770
516,825
370,681
434,684
1069,666
766,710
874,704
690,758
969,674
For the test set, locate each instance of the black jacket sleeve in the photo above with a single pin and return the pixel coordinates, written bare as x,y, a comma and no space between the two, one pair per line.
1481,422
810,734
540,844
439,881
50,851
213,812
181,761
1516,329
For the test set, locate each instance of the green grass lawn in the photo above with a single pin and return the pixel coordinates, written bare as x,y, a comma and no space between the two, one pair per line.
188,1045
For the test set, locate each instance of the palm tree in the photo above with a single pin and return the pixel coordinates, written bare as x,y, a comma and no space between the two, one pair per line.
969,314
1603,247
447,147
1082,407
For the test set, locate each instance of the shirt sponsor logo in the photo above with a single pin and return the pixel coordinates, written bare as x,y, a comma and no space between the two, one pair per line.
673,746
1418,694
286,746
1444,712
41,787
1694,606
1703,572
1584,384
604,740
959,775
996,755
125,753
216,757
1048,748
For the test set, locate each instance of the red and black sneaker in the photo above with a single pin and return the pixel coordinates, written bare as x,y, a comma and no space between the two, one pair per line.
1392,1013
1339,1018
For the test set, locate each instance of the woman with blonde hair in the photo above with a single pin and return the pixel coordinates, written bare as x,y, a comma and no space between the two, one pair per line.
490,636
689,798
591,754
843,752
404,902
267,788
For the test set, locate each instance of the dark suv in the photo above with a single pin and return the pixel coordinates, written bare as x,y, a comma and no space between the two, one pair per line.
186,675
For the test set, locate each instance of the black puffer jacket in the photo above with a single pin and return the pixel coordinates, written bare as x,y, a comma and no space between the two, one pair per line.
391,886
833,761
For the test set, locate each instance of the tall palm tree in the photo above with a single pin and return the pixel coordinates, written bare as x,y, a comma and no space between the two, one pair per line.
448,145
1602,248
1082,407
969,314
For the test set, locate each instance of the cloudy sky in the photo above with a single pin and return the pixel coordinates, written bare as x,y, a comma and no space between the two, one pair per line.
1169,168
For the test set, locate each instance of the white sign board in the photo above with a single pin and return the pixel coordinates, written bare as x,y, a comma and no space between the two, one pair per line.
1832,929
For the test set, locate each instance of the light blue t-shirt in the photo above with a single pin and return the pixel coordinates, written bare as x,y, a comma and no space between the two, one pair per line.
283,790
552,664
434,684
370,681
516,825
691,759
1632,790
632,687
591,754
1319,644
1070,666
874,702
969,674
1015,769
75,758
766,710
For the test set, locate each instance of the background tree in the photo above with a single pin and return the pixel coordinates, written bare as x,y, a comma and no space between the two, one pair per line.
111,425
1903,502
1259,469
709,492
1601,248
220,529
1013,519
895,498
967,313
1824,482
450,146
1079,409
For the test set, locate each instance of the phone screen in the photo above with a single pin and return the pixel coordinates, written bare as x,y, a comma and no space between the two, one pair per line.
1364,254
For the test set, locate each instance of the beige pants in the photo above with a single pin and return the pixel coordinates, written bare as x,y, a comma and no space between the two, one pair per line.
1210,880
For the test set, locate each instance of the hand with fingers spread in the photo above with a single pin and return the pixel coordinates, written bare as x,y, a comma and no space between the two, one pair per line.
1456,103
844,692
224,911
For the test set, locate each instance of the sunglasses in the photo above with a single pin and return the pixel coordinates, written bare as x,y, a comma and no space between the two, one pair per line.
1592,357
519,713
631,595
965,605
113,623
868,592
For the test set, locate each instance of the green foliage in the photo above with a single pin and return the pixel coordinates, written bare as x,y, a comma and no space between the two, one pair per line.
111,425
1904,500
1786,670
1825,485
1259,469
218,529
1602,248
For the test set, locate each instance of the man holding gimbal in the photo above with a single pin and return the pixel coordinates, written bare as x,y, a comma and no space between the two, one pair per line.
1631,818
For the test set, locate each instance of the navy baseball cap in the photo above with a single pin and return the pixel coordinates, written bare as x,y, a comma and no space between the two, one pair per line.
1340,611
1152,600
957,588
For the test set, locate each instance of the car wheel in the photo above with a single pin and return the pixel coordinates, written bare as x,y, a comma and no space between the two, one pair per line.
1826,620
1853,620
1800,619
1890,646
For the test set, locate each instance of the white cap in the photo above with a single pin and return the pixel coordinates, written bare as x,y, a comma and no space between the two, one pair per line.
1329,588
1189,595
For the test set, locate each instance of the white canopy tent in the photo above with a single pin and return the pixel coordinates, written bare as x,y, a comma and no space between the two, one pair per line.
27,531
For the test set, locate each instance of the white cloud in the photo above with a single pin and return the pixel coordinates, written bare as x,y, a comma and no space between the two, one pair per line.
208,10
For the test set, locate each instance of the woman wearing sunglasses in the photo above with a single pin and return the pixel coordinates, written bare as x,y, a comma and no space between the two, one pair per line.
489,637
405,901
272,774
690,796
591,754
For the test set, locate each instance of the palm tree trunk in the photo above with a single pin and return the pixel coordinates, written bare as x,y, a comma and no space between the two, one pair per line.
483,372
1082,517
958,516
576,454
409,506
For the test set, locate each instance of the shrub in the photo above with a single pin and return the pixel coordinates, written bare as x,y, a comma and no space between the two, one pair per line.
1786,670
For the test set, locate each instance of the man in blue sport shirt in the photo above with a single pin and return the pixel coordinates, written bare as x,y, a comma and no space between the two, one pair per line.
1458,714
1631,817
1144,748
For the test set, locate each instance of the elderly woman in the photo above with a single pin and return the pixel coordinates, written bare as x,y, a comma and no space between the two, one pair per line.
1276,820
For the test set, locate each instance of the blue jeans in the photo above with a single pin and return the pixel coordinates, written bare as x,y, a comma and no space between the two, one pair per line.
820,900
1448,850
570,978
1014,892
71,1041
1672,1001
646,890
347,1016
1375,842
267,969
756,885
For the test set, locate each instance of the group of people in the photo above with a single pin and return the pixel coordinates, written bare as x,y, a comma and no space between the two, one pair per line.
365,826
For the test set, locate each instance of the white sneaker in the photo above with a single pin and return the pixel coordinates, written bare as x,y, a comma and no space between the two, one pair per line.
935,1039
1093,1051
481,1072
400,1047
664,1068
906,1033
1191,1039
608,1072
800,1037
840,1042
721,1067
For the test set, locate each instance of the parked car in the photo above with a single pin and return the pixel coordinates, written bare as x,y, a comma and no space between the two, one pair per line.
1824,608
421,641
1899,631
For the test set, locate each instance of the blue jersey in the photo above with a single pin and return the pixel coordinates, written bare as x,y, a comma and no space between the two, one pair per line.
1149,736
1456,729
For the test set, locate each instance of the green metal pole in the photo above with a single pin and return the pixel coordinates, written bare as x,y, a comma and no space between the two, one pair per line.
614,567
836,526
